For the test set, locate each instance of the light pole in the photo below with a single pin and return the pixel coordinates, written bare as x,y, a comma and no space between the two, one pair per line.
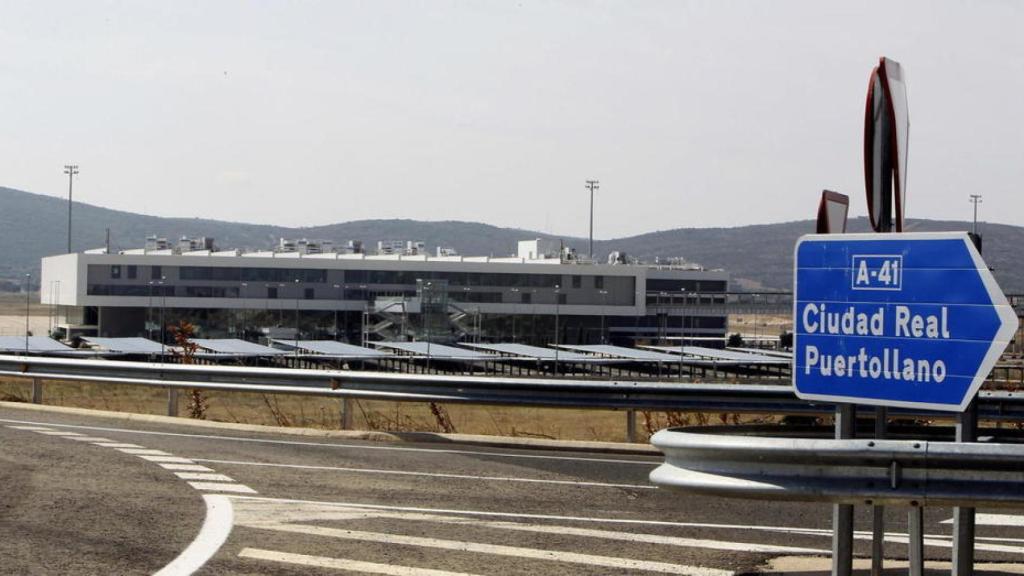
149,312
28,283
163,307
682,332
56,312
245,317
558,302
297,317
515,310
337,303
366,312
592,185
71,170
975,199
604,311
427,288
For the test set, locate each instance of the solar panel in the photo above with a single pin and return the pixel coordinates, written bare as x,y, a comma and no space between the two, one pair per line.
36,345
436,350
727,355
623,352
527,351
236,347
127,345
331,348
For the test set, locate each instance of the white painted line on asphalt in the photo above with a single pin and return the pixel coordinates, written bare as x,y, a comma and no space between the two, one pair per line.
251,512
189,467
995,520
220,487
32,428
650,463
206,477
95,439
117,445
143,451
58,433
625,521
432,474
498,550
342,564
167,459
216,528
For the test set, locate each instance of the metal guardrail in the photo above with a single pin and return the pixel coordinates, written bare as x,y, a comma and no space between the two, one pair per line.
537,392
872,472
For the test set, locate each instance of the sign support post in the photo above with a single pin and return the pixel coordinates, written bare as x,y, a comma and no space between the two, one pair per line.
842,514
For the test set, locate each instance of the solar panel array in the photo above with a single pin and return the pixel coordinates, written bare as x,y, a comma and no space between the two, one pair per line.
526,351
236,347
623,352
127,345
331,348
36,345
439,351
731,356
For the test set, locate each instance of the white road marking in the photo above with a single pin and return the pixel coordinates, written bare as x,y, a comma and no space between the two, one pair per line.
57,433
95,439
251,513
498,550
117,445
342,564
995,520
216,528
167,459
188,467
143,451
221,487
32,428
432,474
647,463
206,477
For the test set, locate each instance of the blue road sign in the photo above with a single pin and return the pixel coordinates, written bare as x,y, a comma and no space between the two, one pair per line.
912,320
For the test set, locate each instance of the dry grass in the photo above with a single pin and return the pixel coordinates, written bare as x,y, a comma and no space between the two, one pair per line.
325,413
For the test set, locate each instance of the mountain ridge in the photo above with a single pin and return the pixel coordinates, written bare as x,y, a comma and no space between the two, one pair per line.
759,256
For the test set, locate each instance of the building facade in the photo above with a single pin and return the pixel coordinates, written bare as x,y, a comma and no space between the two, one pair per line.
358,297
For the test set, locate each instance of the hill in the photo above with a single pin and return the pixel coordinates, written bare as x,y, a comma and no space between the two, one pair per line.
759,256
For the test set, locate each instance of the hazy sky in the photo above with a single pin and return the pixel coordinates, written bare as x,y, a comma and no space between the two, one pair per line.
690,113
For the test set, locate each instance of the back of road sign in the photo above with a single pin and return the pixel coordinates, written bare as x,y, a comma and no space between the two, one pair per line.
911,320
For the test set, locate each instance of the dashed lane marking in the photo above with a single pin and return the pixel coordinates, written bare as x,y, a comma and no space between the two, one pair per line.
94,439
203,476
57,433
342,564
432,474
186,467
143,452
166,459
116,445
222,487
995,520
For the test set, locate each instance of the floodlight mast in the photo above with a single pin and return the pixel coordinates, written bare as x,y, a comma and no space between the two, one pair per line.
71,170
592,185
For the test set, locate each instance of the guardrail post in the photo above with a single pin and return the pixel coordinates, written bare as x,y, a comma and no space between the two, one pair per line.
172,401
37,391
631,426
842,514
963,517
878,512
346,413
915,550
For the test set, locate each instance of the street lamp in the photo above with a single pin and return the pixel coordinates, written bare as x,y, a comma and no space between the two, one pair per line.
71,170
337,303
558,302
515,310
604,311
28,282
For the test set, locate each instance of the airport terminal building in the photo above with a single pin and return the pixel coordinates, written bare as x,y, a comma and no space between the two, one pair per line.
544,294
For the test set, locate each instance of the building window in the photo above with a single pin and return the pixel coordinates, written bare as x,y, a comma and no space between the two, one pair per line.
115,272
156,272
133,272
561,298
527,297
272,292
309,294
599,282
577,281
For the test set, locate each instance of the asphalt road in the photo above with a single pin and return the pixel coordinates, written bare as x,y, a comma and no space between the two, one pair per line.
96,495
